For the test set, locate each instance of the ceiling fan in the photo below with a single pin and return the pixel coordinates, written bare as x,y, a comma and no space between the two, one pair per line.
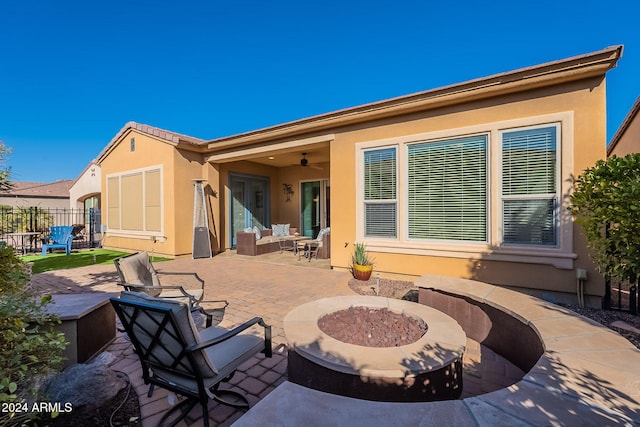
305,163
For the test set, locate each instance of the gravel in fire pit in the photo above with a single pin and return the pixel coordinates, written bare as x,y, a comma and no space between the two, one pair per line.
371,327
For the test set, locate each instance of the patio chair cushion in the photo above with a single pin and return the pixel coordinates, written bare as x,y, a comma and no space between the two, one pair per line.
228,355
138,270
186,327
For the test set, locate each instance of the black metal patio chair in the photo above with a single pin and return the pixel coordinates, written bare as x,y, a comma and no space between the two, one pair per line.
176,357
137,274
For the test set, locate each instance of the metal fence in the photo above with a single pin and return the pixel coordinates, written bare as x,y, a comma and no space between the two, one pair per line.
622,295
34,219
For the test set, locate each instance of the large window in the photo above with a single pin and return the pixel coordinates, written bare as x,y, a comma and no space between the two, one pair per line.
492,190
447,194
135,202
380,190
530,186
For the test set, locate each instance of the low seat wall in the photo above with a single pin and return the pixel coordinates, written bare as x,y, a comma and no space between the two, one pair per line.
508,336
578,371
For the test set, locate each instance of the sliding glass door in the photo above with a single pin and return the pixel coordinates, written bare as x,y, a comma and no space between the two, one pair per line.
249,203
314,207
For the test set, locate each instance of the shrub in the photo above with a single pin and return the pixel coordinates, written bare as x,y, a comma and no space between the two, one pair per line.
29,345
606,202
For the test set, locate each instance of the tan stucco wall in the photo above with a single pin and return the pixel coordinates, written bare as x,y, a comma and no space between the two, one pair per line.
212,191
178,170
187,167
584,99
629,141
88,184
289,212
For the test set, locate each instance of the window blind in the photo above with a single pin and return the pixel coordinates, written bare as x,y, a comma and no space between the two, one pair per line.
132,207
529,186
153,200
447,197
134,201
380,183
113,202
529,162
529,221
380,219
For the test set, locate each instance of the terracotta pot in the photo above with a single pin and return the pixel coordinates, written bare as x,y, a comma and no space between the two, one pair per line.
362,272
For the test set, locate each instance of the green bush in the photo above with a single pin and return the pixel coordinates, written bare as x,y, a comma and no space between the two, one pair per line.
606,202
29,345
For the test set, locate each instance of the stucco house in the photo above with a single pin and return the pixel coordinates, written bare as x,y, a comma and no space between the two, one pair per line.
469,180
627,138
45,195
86,189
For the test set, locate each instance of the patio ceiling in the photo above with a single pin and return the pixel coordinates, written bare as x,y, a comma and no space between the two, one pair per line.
280,155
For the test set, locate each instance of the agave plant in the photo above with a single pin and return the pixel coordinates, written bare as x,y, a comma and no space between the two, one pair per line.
360,255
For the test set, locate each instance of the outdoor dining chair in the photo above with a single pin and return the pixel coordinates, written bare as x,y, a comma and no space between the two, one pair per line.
176,356
313,247
137,274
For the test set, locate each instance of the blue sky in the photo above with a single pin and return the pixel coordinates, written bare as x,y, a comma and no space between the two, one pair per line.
72,73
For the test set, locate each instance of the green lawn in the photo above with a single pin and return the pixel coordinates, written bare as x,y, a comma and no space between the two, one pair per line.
60,261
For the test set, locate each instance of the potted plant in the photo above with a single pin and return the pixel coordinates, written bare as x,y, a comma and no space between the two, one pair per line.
361,262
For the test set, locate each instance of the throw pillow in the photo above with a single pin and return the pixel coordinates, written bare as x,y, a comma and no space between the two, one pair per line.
256,231
278,229
285,229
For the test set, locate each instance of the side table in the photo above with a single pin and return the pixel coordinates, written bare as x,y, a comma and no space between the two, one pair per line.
88,323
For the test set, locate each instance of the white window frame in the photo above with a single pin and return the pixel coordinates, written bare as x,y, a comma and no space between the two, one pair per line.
144,233
557,195
381,201
560,256
487,178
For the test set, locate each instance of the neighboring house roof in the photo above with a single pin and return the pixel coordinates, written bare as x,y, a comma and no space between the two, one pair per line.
556,72
54,190
623,127
174,138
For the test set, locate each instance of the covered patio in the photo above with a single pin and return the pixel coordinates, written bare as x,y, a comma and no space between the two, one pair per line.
277,183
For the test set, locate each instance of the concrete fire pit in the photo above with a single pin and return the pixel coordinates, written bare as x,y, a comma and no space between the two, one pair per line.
429,369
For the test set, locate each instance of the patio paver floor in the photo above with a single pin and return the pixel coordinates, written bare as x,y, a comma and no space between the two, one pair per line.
269,287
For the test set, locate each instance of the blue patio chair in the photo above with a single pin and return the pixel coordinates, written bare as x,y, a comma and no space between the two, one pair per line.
60,237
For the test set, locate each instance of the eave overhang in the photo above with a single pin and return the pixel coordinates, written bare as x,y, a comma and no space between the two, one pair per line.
177,140
548,74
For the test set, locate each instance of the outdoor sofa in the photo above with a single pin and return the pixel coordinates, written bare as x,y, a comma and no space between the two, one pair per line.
248,242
